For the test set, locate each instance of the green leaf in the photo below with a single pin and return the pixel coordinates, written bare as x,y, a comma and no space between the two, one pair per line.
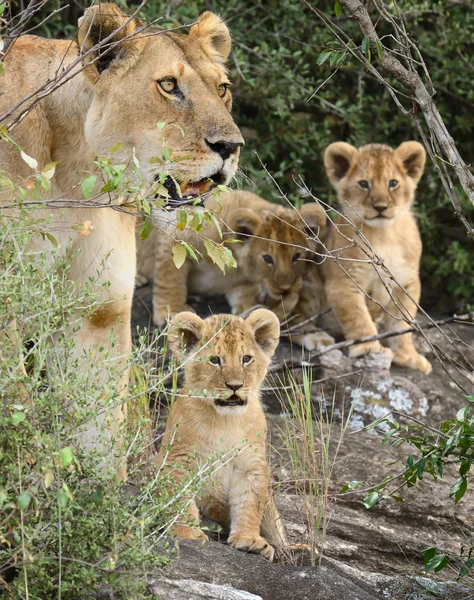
24,500
147,228
52,239
322,58
88,185
428,554
337,9
458,489
179,255
66,456
18,418
160,125
350,486
364,45
63,498
181,219
463,413
190,251
438,562
2,69
371,499
166,154
115,148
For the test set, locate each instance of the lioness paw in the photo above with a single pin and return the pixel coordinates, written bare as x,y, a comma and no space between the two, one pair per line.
252,544
369,348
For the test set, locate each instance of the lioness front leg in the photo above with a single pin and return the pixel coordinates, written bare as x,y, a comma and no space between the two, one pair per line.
170,286
246,513
351,310
405,354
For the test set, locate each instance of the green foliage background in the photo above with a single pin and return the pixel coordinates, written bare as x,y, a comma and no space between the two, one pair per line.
275,73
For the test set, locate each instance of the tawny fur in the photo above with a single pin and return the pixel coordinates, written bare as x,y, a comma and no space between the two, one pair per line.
116,99
359,291
262,229
202,428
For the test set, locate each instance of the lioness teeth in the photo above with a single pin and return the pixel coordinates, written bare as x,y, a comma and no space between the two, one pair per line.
195,188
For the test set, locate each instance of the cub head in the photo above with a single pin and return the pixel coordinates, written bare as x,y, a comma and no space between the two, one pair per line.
275,246
374,183
164,95
225,357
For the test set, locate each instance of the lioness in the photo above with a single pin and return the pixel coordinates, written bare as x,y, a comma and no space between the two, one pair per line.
375,187
119,93
273,255
218,417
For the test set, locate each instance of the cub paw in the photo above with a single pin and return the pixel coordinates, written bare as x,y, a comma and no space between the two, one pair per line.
317,340
255,544
189,533
163,313
369,348
414,361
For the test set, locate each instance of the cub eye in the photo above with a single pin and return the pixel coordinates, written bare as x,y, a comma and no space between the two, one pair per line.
222,89
393,183
296,256
268,259
215,360
246,359
363,184
168,85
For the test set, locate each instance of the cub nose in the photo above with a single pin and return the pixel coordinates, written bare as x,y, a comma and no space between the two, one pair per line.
234,386
224,148
380,208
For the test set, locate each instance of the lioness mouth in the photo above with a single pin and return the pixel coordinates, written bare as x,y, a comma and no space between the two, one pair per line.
191,192
234,400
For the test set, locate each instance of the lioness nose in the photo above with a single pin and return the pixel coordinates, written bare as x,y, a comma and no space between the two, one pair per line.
224,148
234,386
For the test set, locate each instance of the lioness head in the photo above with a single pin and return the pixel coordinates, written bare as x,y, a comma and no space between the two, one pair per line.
374,183
274,248
225,357
164,94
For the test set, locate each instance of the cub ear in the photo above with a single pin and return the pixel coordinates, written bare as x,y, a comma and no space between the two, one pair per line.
213,35
314,219
185,332
338,159
98,25
266,329
413,157
244,222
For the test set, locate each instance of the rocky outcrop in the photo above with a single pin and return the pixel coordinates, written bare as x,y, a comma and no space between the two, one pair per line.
366,554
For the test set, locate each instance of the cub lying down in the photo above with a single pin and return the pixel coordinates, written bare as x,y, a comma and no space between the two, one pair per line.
375,187
219,414
273,255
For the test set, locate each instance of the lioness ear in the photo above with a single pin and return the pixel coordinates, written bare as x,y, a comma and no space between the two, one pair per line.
213,35
338,159
185,332
413,157
314,219
244,222
98,25
266,329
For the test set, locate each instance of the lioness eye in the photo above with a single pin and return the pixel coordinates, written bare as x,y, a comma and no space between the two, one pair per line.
215,360
393,183
222,89
247,359
363,184
296,256
268,259
168,85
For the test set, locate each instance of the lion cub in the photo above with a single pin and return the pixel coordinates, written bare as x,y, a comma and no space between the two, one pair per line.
273,256
375,187
218,417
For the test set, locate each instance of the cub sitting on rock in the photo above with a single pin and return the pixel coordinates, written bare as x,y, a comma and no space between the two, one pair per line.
273,254
375,187
218,417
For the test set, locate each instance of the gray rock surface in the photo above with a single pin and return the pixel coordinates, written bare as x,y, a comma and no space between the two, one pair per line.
367,555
